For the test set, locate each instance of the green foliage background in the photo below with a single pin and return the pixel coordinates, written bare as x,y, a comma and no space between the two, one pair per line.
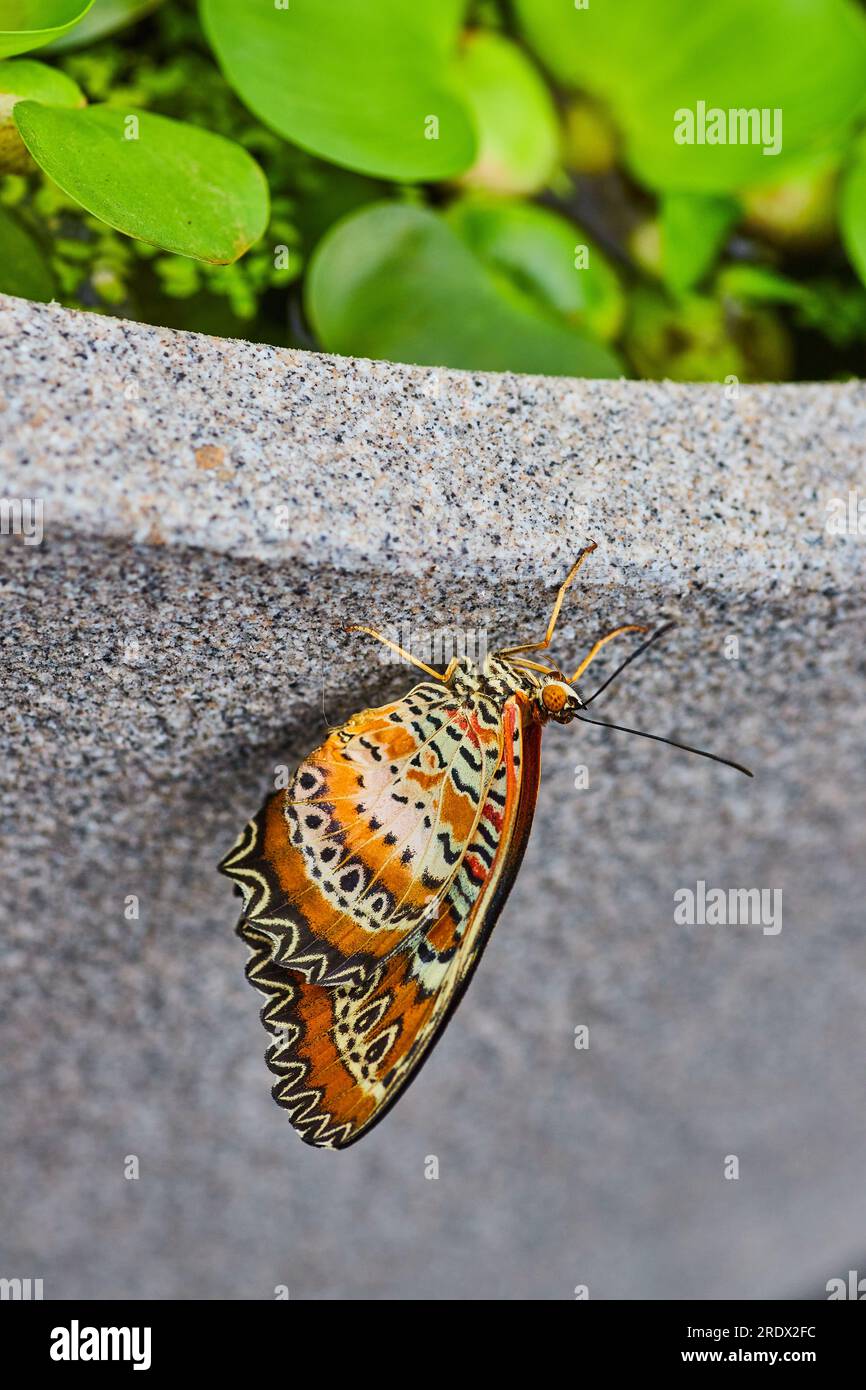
488,186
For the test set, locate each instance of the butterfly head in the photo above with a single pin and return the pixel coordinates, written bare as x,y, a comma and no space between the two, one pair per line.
559,701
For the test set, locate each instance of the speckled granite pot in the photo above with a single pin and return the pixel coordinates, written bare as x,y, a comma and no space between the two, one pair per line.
212,513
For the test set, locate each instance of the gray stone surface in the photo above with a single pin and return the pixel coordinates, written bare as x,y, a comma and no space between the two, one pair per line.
213,513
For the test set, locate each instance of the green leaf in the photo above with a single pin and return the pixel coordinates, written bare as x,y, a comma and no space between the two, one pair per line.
825,305
106,17
23,265
589,143
21,79
160,180
799,211
852,212
396,282
367,85
697,338
803,58
518,131
26,24
694,228
546,257
760,284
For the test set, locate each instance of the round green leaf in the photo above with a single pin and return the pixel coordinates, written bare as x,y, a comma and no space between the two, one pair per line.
106,17
23,265
804,59
160,180
367,85
694,228
26,24
518,131
21,79
799,211
547,257
396,282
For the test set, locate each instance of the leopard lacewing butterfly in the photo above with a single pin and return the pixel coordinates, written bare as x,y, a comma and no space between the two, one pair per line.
372,882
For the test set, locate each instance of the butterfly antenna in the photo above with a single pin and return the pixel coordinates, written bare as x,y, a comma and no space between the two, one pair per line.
657,738
638,651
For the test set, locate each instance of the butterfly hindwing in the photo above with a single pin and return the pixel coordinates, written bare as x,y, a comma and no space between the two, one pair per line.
428,801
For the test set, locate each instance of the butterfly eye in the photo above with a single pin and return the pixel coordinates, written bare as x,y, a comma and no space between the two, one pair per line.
554,697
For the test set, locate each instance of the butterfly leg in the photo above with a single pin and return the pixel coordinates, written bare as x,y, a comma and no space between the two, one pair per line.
527,665
602,642
407,656
546,639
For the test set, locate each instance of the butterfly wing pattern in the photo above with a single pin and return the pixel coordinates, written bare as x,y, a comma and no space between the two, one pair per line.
371,884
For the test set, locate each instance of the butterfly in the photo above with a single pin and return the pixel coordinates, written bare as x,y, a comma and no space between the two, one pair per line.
372,882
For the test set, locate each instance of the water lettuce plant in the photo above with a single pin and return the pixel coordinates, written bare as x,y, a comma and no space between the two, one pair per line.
539,185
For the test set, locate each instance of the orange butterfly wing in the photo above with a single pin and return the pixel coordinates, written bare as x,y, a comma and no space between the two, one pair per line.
365,952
